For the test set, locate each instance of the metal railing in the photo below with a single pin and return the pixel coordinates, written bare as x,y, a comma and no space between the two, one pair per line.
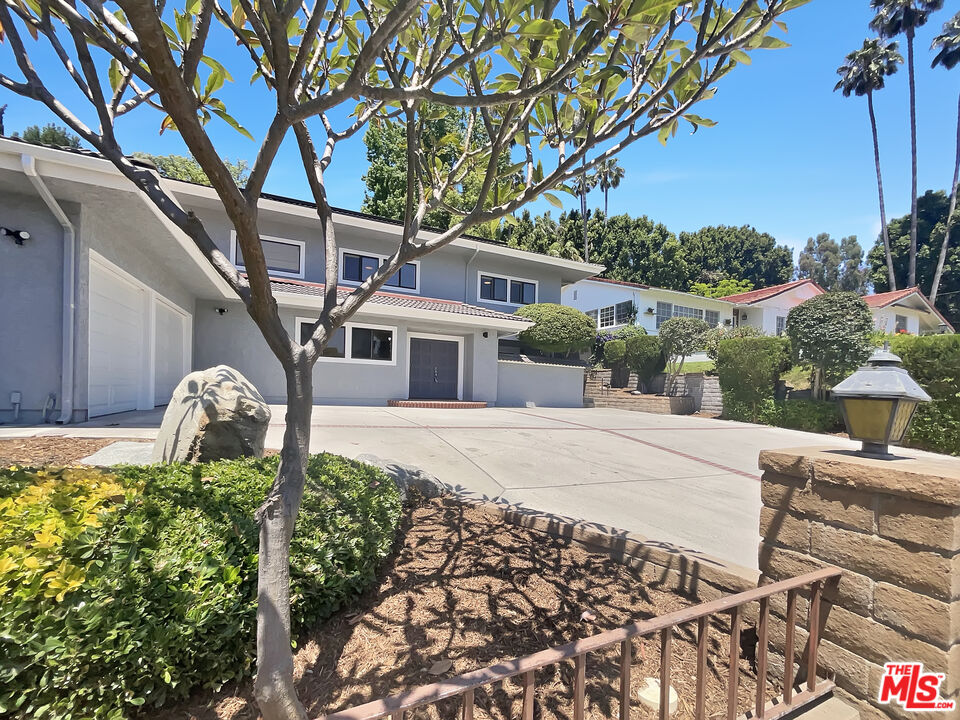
465,685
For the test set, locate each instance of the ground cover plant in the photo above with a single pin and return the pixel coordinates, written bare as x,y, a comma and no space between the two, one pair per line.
127,588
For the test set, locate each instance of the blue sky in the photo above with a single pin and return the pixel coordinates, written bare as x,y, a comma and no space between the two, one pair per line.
789,155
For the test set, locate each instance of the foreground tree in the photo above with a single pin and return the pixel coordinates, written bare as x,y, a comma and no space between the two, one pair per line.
893,18
948,44
559,89
863,73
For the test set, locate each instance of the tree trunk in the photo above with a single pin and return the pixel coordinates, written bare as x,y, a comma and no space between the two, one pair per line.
935,287
883,208
912,268
606,204
274,689
583,216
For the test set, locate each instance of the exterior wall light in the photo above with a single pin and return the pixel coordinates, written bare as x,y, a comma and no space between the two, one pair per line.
878,402
19,236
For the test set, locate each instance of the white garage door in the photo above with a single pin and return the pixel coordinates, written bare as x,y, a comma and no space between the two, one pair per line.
170,351
116,342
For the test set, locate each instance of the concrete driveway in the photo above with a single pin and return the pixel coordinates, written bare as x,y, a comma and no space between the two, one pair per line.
684,481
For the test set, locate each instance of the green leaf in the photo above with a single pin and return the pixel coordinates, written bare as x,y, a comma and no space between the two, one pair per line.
537,28
232,122
553,200
114,74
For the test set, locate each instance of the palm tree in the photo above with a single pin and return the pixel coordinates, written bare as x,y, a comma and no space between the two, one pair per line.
583,184
948,43
609,175
895,17
862,74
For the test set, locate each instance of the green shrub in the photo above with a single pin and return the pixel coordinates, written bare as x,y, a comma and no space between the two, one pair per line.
679,337
748,369
557,328
629,331
126,589
714,335
934,362
830,334
614,353
810,415
645,357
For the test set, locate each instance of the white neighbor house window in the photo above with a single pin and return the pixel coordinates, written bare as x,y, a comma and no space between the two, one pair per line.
283,257
666,310
608,317
355,342
901,326
781,324
712,317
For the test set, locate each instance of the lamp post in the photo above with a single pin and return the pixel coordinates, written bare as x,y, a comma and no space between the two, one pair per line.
878,402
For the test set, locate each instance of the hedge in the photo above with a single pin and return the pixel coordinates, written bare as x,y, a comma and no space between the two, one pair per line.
124,589
934,362
810,415
748,369
557,328
645,357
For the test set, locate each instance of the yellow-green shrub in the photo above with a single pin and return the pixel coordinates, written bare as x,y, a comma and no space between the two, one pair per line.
129,588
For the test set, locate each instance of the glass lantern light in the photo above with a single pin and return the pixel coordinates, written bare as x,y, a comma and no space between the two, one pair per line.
878,402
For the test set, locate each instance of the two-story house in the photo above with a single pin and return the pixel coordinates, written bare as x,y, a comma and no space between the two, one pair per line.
105,305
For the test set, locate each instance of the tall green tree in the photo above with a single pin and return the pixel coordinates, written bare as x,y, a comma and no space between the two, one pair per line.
519,70
581,186
947,43
180,167
50,134
833,266
862,74
639,250
933,210
609,175
853,271
895,17
744,253
727,286
540,234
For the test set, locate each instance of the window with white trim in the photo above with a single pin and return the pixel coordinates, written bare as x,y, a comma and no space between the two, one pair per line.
608,317
355,342
282,256
687,312
625,312
592,314
712,317
664,312
506,290
781,324
901,323
356,267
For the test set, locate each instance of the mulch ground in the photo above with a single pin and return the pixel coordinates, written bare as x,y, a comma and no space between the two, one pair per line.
50,450
464,591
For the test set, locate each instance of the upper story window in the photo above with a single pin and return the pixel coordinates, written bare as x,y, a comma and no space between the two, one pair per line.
357,267
355,342
507,290
283,257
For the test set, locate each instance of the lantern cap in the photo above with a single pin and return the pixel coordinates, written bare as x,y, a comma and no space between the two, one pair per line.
881,378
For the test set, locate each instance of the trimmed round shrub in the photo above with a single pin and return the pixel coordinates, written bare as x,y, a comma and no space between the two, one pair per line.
122,590
715,334
557,328
748,369
645,357
629,331
830,334
934,362
614,353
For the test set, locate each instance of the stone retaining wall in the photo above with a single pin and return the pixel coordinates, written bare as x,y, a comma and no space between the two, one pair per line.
893,526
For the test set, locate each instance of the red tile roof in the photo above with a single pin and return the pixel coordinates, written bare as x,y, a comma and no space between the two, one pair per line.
301,287
881,300
753,296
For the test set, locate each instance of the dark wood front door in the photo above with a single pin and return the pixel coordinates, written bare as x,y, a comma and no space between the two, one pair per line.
434,369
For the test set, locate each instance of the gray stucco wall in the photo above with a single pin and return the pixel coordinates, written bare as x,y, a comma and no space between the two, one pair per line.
30,305
234,340
541,385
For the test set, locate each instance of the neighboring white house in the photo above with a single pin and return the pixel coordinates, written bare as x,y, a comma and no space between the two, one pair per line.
767,308
906,310
614,303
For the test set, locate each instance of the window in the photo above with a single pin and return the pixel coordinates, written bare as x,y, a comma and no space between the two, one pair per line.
283,257
592,314
507,290
712,317
781,324
664,312
607,317
355,342
626,313
357,267
901,326
689,312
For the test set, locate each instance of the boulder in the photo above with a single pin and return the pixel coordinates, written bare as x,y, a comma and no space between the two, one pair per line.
214,414
407,477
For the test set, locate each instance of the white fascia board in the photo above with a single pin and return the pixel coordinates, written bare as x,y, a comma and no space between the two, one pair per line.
401,313
632,289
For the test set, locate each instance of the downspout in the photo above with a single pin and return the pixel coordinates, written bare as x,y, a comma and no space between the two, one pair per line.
29,164
466,272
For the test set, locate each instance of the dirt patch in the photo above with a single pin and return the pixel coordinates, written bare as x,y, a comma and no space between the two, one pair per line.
469,591
50,450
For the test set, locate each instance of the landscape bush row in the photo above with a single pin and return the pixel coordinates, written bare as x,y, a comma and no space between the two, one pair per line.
122,590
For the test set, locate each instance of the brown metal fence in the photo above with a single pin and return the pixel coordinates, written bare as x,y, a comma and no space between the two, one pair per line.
525,668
